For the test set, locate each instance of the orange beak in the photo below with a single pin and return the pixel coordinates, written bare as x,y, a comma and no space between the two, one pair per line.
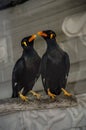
32,38
42,34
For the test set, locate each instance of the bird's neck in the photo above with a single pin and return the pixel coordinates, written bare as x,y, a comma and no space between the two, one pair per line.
51,44
28,51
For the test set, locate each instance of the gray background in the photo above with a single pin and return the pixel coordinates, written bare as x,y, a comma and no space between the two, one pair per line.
68,19
33,16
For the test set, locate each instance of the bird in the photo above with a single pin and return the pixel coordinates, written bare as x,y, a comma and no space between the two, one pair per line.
55,66
26,70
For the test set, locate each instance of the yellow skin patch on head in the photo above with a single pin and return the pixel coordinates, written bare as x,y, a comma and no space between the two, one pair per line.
51,36
24,43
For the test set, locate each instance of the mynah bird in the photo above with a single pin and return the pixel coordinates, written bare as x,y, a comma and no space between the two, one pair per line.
55,65
26,70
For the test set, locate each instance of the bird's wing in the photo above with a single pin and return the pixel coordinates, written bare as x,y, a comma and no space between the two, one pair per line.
67,63
16,72
18,68
39,70
43,69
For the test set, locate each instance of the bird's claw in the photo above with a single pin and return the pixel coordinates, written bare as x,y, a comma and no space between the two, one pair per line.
66,93
36,94
53,96
24,98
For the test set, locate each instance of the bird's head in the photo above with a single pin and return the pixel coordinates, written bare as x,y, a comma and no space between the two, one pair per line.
27,42
47,34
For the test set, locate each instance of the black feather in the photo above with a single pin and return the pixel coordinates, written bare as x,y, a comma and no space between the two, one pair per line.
55,66
26,70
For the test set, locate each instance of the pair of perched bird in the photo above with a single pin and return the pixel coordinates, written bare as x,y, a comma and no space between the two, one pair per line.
53,66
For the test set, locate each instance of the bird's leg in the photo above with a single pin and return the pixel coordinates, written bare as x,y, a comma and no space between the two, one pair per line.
24,98
66,93
35,94
51,94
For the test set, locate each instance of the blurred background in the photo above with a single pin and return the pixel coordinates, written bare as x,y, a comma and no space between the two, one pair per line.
20,18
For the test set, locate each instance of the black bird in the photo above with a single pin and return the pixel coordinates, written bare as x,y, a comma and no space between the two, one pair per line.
55,65
26,70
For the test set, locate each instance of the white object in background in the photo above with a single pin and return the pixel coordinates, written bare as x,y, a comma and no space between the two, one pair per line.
74,25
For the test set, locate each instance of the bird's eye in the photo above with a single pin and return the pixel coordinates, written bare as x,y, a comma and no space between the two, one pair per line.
24,43
54,35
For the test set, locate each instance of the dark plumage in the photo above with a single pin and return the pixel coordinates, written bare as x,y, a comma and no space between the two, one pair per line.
26,69
55,66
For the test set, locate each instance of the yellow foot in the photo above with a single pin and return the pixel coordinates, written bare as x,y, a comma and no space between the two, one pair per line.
36,94
66,93
24,98
51,94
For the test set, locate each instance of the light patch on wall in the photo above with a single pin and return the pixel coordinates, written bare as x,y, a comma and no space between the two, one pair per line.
73,25
3,50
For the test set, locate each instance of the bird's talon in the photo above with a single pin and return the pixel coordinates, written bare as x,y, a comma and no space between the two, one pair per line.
53,96
36,94
24,98
66,93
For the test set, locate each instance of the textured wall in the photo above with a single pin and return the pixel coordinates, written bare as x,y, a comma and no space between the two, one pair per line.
30,17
